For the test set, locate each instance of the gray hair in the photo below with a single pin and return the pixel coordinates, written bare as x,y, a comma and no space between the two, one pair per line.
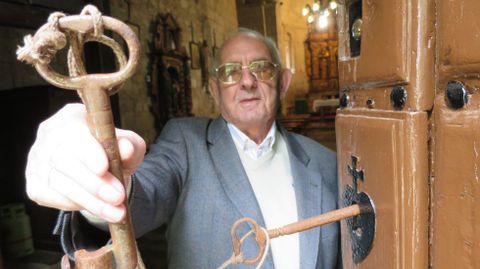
269,43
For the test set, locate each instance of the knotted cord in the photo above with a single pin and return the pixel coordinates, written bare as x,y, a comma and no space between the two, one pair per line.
49,39
43,46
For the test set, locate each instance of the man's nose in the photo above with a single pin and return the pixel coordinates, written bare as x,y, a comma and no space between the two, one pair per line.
248,80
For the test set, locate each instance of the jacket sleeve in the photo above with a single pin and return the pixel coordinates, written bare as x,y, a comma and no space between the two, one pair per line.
159,179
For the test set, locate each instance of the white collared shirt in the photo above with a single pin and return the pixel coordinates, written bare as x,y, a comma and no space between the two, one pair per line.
249,146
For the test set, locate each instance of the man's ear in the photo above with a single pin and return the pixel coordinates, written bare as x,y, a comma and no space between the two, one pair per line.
214,89
285,80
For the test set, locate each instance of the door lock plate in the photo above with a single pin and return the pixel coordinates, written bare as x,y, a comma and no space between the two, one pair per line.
362,227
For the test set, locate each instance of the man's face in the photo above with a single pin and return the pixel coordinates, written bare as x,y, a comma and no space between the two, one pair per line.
250,102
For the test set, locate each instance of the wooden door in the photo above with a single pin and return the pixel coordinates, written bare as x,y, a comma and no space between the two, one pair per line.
455,177
410,119
386,71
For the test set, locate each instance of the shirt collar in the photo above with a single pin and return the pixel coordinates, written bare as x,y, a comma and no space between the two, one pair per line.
249,146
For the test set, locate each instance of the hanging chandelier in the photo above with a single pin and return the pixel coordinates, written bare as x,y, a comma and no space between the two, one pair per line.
316,13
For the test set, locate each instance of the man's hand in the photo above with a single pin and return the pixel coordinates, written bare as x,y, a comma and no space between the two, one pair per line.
68,169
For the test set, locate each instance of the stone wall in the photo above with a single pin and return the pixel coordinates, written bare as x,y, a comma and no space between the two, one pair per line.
206,16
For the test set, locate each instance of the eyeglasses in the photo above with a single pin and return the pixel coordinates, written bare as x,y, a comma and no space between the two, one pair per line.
231,73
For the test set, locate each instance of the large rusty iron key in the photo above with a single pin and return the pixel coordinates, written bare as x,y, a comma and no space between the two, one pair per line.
296,227
95,90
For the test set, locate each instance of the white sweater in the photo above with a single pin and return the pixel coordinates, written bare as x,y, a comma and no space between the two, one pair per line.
271,178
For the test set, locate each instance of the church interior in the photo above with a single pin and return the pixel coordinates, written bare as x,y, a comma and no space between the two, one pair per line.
391,86
179,39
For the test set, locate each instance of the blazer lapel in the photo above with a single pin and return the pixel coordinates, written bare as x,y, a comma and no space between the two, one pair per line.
308,195
231,172
232,175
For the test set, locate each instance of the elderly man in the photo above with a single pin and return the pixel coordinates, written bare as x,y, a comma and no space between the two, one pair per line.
201,175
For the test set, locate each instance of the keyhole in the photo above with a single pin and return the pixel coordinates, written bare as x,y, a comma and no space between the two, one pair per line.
357,230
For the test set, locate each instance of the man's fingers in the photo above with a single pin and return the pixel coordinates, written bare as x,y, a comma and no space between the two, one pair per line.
105,187
66,137
62,193
47,197
78,195
92,155
73,138
132,150
127,149
67,167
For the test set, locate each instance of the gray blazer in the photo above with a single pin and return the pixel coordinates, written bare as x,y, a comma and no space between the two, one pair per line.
193,180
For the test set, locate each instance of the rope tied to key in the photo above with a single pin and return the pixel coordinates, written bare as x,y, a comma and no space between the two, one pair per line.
49,39
42,47
75,64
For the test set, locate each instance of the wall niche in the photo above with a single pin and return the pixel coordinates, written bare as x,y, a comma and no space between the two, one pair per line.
168,72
